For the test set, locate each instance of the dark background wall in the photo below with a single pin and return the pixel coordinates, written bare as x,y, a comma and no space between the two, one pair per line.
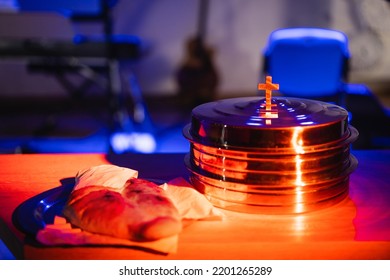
237,29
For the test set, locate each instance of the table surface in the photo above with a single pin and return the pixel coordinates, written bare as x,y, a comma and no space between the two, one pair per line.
356,228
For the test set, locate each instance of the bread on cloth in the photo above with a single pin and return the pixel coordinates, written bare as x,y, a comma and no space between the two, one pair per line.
138,210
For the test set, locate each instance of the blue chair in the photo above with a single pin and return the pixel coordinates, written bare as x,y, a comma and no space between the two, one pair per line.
313,63
308,62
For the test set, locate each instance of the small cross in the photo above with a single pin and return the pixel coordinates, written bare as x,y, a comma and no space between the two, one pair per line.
268,87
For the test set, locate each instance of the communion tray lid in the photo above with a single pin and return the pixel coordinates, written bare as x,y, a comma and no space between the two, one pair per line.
248,122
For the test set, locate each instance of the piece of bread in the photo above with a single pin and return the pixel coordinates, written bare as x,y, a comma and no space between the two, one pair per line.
139,211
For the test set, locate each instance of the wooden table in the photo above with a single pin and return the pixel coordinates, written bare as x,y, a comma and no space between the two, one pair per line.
357,228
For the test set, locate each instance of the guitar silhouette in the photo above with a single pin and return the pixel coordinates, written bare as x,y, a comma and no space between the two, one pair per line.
197,77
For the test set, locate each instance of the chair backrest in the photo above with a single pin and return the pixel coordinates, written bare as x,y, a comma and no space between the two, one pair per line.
307,62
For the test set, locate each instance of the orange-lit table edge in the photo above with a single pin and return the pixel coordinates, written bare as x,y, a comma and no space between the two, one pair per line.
357,228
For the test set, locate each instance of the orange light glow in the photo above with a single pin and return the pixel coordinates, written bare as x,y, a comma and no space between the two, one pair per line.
299,224
297,143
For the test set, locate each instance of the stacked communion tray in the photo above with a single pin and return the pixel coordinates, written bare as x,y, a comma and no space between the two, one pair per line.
274,155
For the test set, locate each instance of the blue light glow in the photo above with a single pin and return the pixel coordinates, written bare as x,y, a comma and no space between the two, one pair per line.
139,142
254,124
307,123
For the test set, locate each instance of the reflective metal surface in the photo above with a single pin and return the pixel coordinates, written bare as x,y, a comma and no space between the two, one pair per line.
293,157
244,122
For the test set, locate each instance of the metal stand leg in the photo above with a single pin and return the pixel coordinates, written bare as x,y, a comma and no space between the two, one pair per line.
131,132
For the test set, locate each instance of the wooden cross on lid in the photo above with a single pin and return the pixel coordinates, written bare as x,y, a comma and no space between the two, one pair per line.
268,87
